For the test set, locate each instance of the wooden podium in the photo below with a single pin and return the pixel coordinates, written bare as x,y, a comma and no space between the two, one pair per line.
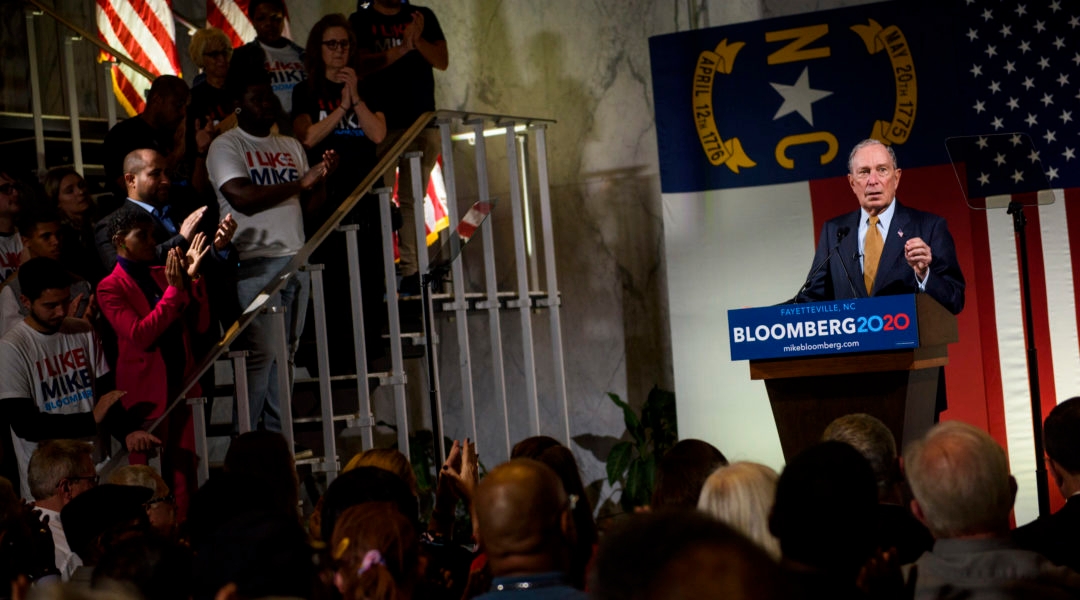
897,386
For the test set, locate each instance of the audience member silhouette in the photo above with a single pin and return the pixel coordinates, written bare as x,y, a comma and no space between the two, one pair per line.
684,555
378,553
522,519
681,473
824,518
1055,536
897,527
964,494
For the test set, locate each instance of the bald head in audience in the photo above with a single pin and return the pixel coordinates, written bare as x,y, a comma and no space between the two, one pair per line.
960,479
522,519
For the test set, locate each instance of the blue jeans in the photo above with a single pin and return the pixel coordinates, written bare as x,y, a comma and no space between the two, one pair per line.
261,338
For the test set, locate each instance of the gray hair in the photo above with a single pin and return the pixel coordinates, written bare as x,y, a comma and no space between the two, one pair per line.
741,495
960,477
871,438
54,461
864,144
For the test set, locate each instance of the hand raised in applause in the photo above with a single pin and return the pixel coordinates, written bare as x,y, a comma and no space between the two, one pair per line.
174,268
205,132
225,231
196,251
191,223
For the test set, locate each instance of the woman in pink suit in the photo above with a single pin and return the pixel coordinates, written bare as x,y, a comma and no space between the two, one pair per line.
154,311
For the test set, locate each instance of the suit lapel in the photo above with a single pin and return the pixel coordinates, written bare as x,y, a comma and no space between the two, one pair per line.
892,253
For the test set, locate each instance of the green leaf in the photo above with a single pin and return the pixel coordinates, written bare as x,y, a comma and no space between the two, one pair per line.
658,414
633,424
638,482
618,460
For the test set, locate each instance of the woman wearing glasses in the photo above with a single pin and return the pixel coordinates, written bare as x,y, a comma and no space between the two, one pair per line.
334,110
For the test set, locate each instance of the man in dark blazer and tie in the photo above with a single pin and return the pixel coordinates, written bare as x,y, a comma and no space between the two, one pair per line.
915,252
148,190
1055,536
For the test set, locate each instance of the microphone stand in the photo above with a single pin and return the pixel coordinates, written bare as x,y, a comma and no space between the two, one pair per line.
432,277
1016,209
840,235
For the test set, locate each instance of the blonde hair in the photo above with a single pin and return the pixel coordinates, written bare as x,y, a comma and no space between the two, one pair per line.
138,475
387,459
207,37
741,496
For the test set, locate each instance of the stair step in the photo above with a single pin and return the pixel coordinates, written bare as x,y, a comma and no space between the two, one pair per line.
334,378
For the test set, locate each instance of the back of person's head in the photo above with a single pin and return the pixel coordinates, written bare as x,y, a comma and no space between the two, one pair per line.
362,485
682,471
137,475
219,501
102,516
167,86
389,459
561,460
378,552
521,510
56,460
960,479
682,555
823,514
262,460
41,273
741,496
263,553
153,566
1061,435
872,439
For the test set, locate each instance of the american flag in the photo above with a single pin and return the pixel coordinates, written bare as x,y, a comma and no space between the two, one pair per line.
1022,64
144,31
436,216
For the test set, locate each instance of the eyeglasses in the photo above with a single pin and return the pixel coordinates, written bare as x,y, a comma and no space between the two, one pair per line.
168,499
7,188
93,479
215,54
336,44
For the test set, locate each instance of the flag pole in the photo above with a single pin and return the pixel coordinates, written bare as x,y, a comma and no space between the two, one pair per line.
1016,209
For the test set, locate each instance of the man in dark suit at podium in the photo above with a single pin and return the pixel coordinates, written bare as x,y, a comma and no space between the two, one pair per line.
1055,536
895,249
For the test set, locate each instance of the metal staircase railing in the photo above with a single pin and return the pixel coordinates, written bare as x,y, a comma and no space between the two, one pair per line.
457,301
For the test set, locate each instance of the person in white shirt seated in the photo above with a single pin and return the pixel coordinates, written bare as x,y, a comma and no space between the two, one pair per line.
59,471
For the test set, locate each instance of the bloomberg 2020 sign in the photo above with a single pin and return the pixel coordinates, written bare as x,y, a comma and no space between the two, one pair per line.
831,327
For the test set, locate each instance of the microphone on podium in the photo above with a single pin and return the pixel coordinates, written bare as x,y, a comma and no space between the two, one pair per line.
841,233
